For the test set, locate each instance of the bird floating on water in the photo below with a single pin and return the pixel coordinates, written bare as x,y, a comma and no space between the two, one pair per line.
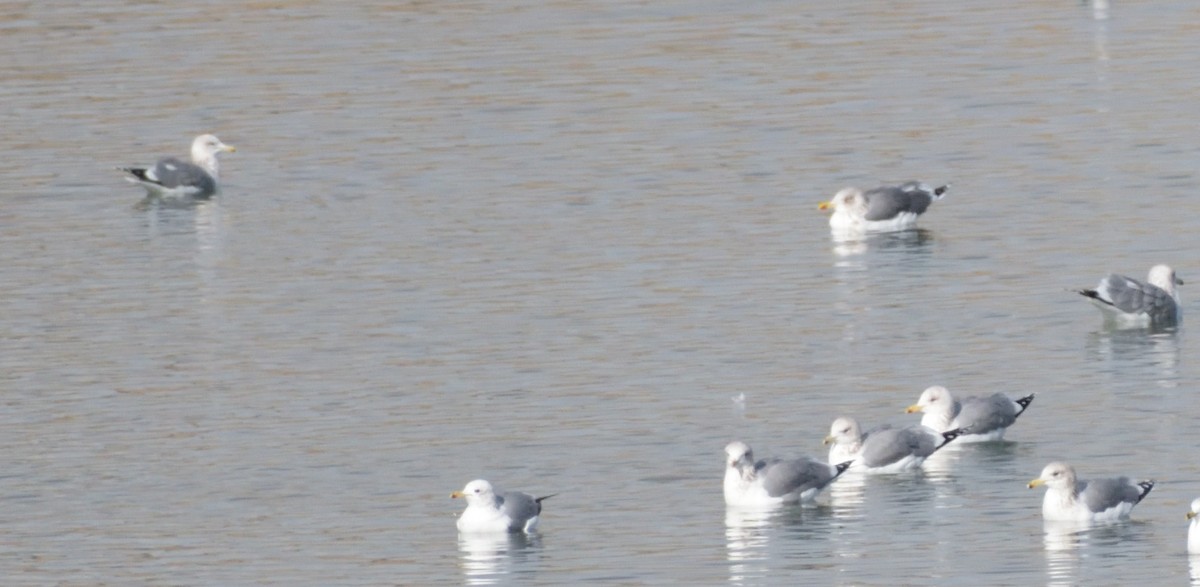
172,178
986,417
1130,302
884,449
774,481
883,209
491,510
1103,500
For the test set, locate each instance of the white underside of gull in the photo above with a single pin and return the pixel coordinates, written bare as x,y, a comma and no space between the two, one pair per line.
846,221
1060,506
1194,536
477,518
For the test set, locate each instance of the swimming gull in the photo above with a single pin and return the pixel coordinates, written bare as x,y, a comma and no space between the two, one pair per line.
1134,303
883,209
774,481
884,449
987,417
1103,500
490,510
1193,514
177,179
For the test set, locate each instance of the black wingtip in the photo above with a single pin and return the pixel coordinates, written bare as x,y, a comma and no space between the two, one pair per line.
539,499
952,434
138,172
1024,403
841,468
1092,294
1146,486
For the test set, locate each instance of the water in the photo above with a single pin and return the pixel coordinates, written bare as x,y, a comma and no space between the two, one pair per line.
545,243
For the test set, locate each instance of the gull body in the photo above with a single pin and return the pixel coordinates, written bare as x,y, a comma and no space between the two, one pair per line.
884,449
883,209
1103,500
775,481
491,510
986,417
173,178
1193,541
1129,302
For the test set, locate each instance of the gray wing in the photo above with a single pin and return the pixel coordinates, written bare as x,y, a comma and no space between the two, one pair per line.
886,202
519,507
985,414
1103,494
172,173
781,477
888,446
1132,296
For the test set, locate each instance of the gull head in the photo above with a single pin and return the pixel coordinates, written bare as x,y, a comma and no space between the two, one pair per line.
207,146
1164,277
933,399
849,199
1055,476
1195,509
477,491
738,453
844,431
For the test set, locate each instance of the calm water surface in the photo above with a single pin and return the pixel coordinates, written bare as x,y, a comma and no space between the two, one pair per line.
545,243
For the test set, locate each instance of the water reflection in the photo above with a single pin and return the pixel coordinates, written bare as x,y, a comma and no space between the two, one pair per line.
1194,569
1062,541
756,539
850,247
746,540
489,559
1154,351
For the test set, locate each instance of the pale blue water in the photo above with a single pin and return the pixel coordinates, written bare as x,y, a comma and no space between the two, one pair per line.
545,244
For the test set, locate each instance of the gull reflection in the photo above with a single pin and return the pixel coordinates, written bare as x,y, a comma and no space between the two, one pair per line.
1154,352
746,540
490,559
851,247
1194,569
1062,541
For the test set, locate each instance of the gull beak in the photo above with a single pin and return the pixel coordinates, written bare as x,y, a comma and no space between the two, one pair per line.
229,148
457,494
1191,515
824,206
1036,483
912,409
1178,281
828,440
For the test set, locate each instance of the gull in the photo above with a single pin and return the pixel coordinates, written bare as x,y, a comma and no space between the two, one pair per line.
987,417
1130,302
490,510
883,209
885,449
1102,500
774,481
177,179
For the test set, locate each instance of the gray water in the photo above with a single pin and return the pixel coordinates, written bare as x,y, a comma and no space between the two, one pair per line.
544,243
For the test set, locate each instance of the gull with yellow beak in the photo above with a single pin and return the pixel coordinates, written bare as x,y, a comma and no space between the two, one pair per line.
173,178
883,209
1103,500
988,417
491,510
